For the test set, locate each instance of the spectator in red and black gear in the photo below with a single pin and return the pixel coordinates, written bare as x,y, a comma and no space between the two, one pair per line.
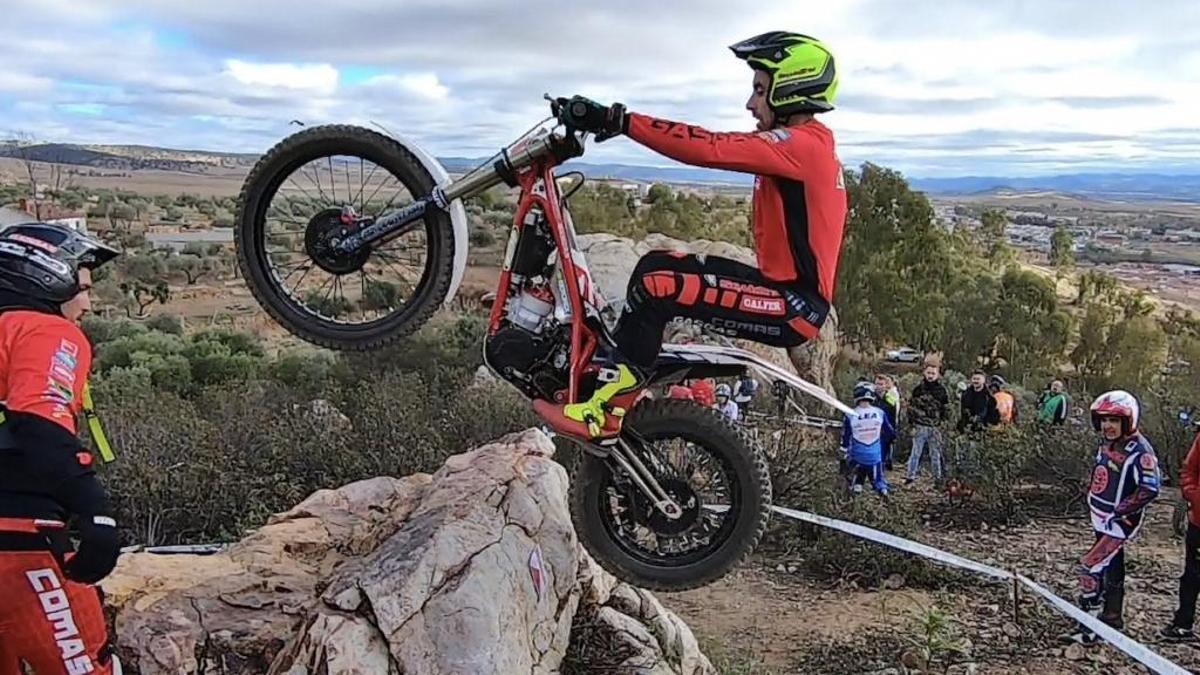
1182,624
798,215
1125,479
47,596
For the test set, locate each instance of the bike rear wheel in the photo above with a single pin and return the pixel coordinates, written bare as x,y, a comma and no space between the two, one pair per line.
355,285
722,483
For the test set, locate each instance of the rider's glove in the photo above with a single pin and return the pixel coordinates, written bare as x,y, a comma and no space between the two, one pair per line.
586,115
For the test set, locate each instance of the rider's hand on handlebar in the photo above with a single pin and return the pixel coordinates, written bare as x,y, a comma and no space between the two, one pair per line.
585,114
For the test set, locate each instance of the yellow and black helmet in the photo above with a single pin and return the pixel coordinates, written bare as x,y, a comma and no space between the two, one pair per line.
803,75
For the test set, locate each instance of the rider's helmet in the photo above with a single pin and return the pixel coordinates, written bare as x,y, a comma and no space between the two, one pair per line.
723,390
996,382
803,76
40,262
1117,403
864,391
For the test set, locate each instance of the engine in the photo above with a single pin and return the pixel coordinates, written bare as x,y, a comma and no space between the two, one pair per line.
530,348
535,364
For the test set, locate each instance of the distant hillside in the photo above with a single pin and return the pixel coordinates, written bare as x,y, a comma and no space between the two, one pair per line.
1130,186
129,157
140,157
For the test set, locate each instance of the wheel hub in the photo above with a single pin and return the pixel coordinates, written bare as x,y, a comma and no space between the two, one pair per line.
320,237
685,497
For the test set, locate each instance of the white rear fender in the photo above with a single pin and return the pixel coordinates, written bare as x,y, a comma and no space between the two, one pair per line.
752,361
458,214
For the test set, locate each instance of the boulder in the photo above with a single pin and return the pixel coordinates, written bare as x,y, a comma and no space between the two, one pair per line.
473,569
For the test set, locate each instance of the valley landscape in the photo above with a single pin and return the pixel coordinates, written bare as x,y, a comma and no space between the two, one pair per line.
788,610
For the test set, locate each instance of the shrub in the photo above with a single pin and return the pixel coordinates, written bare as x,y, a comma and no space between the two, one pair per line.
166,323
804,474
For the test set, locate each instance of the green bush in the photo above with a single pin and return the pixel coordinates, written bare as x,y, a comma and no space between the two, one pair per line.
212,436
804,475
100,330
166,323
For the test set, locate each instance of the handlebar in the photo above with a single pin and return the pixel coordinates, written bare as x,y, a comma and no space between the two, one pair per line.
502,167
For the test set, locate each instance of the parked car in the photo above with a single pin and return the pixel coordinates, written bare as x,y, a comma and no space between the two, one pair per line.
904,355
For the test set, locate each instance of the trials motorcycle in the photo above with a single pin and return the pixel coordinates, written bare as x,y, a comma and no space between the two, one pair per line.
680,497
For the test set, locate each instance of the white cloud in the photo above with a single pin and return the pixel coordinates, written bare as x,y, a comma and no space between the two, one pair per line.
925,86
320,78
425,85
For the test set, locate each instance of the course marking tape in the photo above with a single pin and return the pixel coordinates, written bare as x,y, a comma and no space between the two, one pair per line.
1133,648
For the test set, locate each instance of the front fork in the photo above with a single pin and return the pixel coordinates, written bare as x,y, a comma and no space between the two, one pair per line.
621,456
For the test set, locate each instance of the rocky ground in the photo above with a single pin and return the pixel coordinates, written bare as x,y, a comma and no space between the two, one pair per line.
769,618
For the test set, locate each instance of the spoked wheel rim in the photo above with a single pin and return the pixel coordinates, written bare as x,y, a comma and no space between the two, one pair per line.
701,481
318,197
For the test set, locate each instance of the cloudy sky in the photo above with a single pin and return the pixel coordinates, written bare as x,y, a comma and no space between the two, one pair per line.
934,88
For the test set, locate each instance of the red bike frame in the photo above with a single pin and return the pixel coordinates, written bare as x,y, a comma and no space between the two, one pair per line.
583,338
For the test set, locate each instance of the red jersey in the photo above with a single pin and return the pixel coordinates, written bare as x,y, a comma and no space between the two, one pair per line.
799,203
44,362
703,392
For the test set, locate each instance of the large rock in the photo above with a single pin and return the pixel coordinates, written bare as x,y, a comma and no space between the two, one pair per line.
611,260
475,569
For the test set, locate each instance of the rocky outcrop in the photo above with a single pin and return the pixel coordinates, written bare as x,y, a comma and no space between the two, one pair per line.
474,569
611,260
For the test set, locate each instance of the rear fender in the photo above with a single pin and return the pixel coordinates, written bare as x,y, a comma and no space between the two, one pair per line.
680,362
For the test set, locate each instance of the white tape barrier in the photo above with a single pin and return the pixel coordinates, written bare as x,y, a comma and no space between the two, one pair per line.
1118,639
892,540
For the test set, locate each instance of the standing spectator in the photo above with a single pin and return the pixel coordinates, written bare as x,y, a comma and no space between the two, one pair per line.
1053,404
702,391
864,434
744,391
888,400
927,411
977,407
1125,479
724,404
1180,627
1006,403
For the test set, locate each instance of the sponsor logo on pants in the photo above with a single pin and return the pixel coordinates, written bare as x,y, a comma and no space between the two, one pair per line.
56,607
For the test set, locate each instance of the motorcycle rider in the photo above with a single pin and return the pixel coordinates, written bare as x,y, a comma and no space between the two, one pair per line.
1125,479
50,612
798,216
864,435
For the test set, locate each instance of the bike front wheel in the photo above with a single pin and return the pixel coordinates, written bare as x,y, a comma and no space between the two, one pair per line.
291,201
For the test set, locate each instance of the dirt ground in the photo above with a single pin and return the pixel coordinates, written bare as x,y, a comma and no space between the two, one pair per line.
764,618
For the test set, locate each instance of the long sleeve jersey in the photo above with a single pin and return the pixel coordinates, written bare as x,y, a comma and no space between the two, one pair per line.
864,434
799,202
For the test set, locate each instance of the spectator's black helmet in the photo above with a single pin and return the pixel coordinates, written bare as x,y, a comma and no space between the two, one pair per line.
40,262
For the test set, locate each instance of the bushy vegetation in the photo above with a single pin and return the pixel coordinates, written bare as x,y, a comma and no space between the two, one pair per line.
213,434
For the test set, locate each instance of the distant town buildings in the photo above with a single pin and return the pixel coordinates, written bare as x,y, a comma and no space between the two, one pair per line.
27,211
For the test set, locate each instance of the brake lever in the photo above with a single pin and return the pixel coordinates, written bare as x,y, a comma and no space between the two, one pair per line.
556,105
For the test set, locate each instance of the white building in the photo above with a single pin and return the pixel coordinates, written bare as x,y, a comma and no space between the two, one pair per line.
24,212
